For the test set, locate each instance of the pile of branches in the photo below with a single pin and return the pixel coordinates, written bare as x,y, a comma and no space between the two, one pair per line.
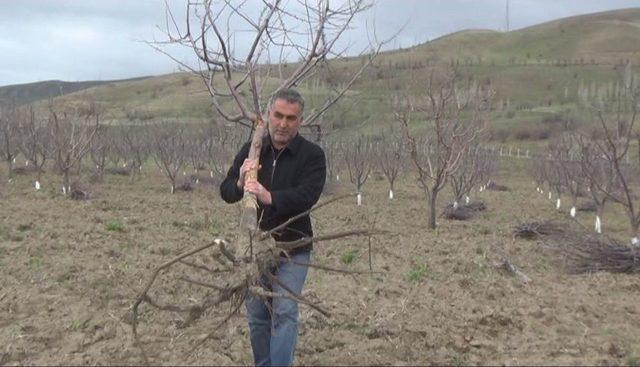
234,276
463,212
118,171
24,170
495,187
583,252
536,229
79,192
587,206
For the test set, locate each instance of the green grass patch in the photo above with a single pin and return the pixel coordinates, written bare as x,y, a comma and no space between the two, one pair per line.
349,256
418,273
215,228
6,234
36,262
632,360
114,226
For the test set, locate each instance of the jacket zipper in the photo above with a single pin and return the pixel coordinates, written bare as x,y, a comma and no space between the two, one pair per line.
273,165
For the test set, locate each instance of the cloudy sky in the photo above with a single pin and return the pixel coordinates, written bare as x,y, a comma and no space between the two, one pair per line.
75,40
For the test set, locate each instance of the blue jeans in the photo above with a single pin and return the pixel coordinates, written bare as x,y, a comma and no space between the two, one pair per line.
274,333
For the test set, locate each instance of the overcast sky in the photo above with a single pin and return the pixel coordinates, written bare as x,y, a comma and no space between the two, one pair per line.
76,40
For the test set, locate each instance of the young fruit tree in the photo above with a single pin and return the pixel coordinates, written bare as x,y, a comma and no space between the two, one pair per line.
170,150
477,167
600,178
359,160
135,144
71,133
452,115
390,156
9,135
617,124
99,151
34,142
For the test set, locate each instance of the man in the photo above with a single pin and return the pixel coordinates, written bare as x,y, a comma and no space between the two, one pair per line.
290,180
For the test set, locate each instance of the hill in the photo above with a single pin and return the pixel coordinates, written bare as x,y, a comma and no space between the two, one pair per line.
21,94
537,73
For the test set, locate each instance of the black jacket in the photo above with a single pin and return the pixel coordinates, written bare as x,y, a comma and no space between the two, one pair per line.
295,177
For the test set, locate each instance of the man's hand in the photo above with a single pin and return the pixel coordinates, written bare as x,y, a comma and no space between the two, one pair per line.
254,187
247,165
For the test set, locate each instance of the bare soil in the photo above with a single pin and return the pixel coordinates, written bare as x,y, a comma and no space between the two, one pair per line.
70,271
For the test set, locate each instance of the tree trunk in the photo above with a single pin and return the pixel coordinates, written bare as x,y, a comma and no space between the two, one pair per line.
65,181
599,214
10,166
249,217
635,232
432,209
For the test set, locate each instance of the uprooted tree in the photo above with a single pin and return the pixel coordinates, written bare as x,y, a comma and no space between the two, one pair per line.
240,82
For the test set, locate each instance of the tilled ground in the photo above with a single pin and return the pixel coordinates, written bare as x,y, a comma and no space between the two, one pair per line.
70,271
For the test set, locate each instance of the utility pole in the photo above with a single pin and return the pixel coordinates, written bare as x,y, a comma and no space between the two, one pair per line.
507,16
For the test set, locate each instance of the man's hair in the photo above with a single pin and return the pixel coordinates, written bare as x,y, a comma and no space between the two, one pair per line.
290,95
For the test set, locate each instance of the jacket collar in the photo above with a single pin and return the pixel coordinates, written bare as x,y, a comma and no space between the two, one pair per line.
293,147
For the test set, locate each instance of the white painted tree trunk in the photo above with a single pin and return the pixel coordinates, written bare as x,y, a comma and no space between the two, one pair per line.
573,212
558,204
337,177
359,199
37,185
455,204
211,174
598,226
549,195
467,200
635,241
390,194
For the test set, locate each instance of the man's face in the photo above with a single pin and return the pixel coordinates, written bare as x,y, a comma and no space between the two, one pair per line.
284,120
